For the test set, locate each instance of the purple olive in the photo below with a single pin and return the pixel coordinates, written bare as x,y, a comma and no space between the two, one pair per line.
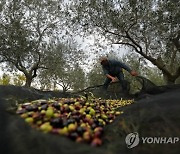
21,111
56,122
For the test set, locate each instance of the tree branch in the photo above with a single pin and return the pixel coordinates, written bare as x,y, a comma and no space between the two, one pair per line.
21,68
35,66
117,34
174,52
65,86
131,26
41,33
134,42
156,62
176,41
20,64
129,44
108,31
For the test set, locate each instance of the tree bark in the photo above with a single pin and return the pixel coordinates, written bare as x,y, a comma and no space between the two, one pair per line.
28,81
169,80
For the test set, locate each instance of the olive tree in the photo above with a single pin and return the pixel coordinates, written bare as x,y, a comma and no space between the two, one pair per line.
149,28
64,61
26,26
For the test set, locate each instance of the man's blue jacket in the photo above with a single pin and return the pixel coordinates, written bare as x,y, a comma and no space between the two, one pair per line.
115,67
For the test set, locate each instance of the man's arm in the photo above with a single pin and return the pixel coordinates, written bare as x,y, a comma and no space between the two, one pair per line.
127,68
111,77
106,72
122,65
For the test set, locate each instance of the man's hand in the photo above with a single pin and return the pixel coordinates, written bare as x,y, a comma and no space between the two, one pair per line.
113,79
133,73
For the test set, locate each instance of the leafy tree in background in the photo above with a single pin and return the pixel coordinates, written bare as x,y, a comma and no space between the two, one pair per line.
18,79
5,79
154,75
25,29
149,28
96,75
65,69
78,78
68,78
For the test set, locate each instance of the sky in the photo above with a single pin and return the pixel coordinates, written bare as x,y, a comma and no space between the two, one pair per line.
1,72
90,48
